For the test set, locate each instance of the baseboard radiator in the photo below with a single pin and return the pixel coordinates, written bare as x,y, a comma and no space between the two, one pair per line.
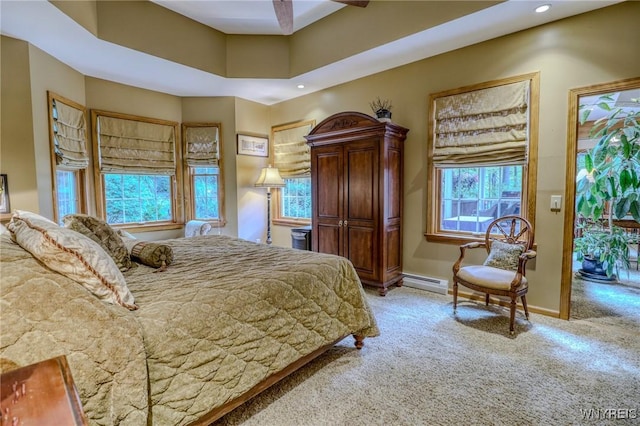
436,285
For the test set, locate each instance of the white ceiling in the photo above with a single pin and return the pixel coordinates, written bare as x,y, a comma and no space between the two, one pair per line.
249,16
46,27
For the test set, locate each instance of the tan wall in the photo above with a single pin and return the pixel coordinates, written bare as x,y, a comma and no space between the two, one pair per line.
49,74
84,13
147,27
251,119
27,74
17,156
575,52
220,110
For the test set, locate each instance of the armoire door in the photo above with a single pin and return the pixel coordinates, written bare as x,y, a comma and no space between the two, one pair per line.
327,197
361,207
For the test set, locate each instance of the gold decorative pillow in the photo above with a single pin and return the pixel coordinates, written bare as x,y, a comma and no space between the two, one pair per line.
102,233
124,234
73,255
148,253
504,255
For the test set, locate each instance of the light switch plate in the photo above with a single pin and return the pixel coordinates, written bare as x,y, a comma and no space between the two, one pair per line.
556,203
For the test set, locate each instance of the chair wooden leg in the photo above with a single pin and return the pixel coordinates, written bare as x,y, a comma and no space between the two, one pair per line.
486,299
455,296
524,305
512,317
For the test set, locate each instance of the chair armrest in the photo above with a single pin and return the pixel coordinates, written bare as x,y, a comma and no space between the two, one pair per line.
463,248
523,258
472,245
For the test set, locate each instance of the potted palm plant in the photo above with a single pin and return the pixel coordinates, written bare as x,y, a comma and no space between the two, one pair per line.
608,186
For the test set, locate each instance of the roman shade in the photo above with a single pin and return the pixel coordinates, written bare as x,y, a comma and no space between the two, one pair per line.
482,127
69,136
201,146
135,147
291,152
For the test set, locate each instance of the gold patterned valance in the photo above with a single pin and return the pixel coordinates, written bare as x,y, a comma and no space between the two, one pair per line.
69,136
291,152
131,146
485,126
201,145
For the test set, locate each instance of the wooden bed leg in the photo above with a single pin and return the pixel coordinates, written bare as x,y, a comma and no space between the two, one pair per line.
359,343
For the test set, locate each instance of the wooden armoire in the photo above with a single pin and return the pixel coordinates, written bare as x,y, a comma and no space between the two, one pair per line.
356,194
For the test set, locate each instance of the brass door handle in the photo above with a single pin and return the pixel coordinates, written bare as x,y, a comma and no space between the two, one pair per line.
345,223
340,223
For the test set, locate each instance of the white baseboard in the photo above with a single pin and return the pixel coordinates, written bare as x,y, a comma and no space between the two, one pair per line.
436,285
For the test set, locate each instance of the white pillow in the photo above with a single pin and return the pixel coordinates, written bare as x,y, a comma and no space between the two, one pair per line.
72,255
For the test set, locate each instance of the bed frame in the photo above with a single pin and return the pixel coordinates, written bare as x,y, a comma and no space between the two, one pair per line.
220,411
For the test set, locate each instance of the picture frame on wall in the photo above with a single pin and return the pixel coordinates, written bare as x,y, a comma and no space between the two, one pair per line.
253,145
4,194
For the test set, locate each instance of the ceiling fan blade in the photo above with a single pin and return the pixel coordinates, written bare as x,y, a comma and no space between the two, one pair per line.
359,3
284,13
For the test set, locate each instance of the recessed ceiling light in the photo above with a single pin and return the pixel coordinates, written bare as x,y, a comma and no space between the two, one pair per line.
300,86
543,8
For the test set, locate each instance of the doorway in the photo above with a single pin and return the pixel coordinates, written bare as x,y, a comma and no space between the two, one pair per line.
582,298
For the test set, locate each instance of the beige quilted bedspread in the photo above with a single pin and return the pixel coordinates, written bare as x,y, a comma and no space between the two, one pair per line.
215,328
44,314
224,315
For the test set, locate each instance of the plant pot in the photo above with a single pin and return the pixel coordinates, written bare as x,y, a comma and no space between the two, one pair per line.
592,271
383,115
593,266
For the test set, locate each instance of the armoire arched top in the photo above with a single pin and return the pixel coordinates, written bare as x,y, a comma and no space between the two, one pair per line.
352,125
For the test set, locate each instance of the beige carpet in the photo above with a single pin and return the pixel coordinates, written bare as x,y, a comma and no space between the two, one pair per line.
616,303
431,368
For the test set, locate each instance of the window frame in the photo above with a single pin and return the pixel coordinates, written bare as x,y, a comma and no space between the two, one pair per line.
189,176
433,232
286,220
177,208
80,176
276,193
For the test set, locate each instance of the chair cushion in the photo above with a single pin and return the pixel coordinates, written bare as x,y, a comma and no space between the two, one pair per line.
488,276
504,255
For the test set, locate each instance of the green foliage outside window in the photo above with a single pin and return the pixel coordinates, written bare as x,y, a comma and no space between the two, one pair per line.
296,198
205,182
479,192
137,198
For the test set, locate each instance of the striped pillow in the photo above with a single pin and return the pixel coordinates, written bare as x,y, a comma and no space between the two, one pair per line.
72,255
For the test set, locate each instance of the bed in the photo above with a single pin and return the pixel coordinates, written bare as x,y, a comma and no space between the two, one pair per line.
223,321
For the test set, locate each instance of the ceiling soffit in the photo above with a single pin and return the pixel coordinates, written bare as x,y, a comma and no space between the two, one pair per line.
149,28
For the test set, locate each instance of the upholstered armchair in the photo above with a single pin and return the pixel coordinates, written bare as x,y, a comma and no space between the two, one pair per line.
194,228
508,242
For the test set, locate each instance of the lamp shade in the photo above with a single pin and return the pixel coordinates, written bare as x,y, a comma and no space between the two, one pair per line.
270,178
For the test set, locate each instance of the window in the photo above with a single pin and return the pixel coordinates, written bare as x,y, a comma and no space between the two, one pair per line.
205,190
67,191
203,157
138,180
482,152
137,198
293,159
473,197
296,198
69,157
